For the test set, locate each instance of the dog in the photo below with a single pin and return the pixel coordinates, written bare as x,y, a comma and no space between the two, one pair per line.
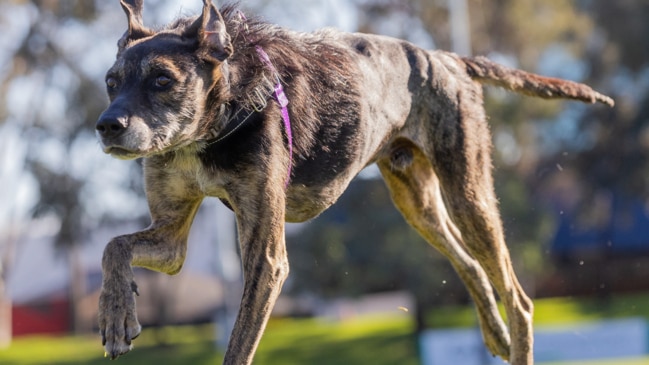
276,124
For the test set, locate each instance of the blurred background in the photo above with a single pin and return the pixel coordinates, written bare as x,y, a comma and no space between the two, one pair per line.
364,288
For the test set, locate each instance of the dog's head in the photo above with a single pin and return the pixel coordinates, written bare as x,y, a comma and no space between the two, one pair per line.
160,82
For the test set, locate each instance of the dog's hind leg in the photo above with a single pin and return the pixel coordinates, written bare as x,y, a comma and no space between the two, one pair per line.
415,190
474,209
460,151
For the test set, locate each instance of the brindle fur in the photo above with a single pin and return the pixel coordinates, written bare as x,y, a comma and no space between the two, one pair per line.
355,99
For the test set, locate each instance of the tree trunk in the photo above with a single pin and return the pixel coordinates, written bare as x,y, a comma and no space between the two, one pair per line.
77,291
6,259
420,315
5,315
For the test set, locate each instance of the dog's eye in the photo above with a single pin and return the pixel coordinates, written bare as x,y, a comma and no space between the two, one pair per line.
111,83
162,81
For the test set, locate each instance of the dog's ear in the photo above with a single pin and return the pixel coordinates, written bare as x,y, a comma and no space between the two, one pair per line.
136,30
212,35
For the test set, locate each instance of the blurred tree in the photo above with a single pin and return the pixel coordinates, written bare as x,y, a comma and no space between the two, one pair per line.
610,154
617,159
50,94
40,59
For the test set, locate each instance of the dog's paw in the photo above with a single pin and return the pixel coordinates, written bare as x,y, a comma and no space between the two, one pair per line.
497,341
118,323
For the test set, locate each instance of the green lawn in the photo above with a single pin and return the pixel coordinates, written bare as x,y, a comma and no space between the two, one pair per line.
369,340
553,311
172,345
288,341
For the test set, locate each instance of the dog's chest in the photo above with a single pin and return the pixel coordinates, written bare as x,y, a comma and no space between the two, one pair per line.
188,168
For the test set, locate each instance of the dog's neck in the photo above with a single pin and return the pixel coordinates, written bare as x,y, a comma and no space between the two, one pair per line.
228,120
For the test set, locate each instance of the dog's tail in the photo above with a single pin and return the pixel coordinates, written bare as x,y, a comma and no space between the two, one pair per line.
488,72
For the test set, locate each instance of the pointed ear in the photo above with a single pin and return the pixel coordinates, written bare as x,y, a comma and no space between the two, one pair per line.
212,34
136,30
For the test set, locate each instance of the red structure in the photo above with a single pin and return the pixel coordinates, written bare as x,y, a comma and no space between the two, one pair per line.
51,317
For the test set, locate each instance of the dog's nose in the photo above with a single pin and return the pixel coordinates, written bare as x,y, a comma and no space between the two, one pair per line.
110,126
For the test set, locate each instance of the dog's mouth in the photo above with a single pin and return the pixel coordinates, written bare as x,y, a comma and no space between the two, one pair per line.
121,153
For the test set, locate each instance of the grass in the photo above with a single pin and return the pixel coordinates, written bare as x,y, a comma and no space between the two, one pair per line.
177,345
367,340
287,341
551,311
629,361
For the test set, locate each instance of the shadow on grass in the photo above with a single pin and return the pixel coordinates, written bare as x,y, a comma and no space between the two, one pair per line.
374,341
382,349
201,353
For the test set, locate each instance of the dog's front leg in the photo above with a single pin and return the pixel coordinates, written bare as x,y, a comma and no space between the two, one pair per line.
260,221
161,247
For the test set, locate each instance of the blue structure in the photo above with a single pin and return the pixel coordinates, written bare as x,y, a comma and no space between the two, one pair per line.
625,234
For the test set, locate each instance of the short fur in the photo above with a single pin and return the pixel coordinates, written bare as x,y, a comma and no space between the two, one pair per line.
193,99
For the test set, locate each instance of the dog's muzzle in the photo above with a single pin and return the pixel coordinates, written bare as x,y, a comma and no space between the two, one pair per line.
111,129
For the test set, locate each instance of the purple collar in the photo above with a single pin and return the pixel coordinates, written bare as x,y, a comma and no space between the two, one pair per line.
280,97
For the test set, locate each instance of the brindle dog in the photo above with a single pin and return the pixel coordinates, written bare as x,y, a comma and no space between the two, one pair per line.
194,101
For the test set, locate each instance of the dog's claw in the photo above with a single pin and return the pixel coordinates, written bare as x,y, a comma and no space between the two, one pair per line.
134,288
113,356
130,338
117,350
